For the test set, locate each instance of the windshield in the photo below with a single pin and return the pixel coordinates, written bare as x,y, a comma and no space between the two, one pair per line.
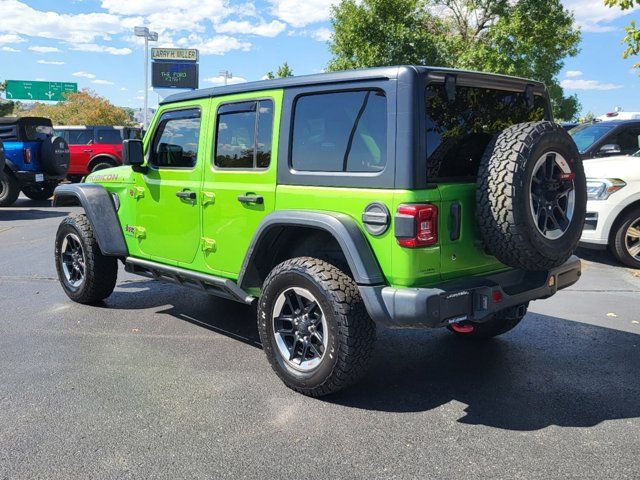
587,134
460,128
37,132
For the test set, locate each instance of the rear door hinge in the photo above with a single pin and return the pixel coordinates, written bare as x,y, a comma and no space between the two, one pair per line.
208,198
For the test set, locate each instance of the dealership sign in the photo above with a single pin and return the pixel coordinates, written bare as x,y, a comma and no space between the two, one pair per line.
180,54
43,91
174,75
174,68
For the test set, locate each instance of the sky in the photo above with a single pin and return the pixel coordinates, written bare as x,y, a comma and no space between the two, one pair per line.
91,42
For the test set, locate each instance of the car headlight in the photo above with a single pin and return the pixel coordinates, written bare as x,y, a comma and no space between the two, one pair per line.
602,188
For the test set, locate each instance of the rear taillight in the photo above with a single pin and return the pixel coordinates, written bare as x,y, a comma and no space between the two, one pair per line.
26,153
416,225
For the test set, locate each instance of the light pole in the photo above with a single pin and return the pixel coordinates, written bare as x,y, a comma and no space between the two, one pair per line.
226,74
148,37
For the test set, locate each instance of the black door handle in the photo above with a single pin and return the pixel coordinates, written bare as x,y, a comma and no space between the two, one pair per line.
186,195
257,199
456,217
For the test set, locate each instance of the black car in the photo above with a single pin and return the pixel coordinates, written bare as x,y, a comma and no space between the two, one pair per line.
604,139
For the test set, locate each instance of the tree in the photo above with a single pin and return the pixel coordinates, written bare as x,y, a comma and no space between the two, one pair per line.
527,38
283,71
632,38
82,108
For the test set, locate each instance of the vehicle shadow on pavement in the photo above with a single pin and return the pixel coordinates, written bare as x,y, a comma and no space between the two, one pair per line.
599,256
25,209
12,214
225,317
548,371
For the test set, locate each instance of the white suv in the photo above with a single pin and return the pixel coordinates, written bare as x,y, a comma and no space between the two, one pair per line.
613,207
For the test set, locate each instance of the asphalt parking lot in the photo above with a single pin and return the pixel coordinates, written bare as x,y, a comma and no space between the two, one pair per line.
162,382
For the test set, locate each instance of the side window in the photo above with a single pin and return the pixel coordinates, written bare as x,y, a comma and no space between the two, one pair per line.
340,132
62,133
110,136
175,142
79,137
243,135
628,139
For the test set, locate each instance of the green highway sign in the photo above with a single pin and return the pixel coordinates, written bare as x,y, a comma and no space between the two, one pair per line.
47,91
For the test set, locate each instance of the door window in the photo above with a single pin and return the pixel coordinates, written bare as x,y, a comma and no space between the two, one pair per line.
109,136
340,132
628,139
79,137
243,135
175,143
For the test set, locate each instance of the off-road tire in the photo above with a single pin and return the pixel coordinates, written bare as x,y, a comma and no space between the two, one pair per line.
101,272
102,165
9,190
39,192
504,215
351,331
502,322
617,245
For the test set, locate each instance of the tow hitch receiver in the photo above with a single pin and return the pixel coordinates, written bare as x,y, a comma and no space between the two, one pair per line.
462,327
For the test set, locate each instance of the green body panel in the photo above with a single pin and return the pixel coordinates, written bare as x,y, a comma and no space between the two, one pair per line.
212,233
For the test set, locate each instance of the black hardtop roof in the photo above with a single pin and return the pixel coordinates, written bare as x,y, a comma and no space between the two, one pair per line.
376,73
26,121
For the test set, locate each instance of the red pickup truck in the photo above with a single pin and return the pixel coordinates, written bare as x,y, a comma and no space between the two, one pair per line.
94,147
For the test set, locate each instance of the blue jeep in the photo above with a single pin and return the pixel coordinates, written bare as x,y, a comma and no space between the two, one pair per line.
36,160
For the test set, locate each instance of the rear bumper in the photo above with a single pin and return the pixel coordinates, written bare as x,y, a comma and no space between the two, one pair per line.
471,298
28,177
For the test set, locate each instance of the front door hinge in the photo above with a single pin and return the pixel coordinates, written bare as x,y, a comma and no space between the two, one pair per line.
139,232
208,198
136,192
209,245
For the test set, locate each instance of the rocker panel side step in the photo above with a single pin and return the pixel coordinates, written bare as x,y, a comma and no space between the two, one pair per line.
218,286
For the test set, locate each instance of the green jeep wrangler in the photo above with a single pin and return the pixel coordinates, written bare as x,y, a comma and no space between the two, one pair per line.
407,197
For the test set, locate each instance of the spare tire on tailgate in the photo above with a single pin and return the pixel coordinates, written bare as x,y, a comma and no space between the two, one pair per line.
531,196
54,156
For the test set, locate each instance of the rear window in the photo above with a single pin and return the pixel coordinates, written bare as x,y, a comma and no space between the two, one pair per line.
589,133
459,129
340,132
37,132
8,133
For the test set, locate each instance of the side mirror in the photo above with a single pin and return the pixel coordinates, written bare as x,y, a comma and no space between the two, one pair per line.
133,153
610,149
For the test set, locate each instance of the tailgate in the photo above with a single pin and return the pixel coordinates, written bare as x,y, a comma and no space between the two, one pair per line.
461,248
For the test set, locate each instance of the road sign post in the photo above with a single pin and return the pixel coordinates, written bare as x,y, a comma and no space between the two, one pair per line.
39,91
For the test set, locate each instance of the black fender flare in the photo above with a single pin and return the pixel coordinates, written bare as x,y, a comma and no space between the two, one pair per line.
357,251
101,213
9,166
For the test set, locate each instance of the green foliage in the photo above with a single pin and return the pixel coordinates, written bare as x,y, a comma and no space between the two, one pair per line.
82,108
6,108
632,37
487,35
588,117
283,71
372,33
